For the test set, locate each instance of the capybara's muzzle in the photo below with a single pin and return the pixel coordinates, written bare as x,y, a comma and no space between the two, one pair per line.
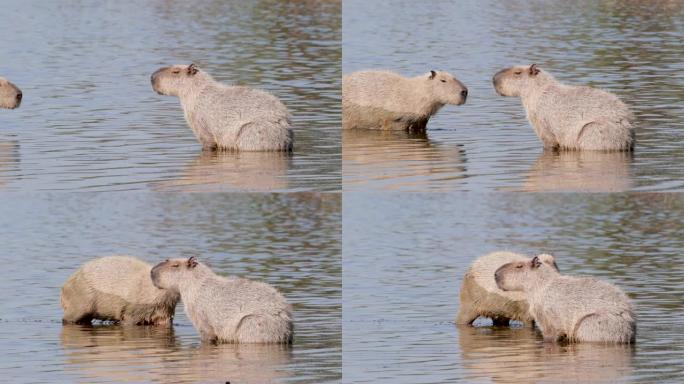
496,81
153,80
498,278
153,275
464,95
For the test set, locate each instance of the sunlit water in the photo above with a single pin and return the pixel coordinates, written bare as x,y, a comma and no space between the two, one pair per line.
405,255
630,48
90,120
291,241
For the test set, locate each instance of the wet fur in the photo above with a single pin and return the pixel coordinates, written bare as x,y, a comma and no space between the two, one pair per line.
573,309
568,117
387,101
477,300
227,309
223,117
119,289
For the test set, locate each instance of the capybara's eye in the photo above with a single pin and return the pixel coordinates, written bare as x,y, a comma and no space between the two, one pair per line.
175,265
519,266
443,81
176,71
518,72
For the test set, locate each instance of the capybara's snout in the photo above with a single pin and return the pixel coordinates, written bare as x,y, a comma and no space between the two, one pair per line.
496,81
154,80
154,275
497,76
498,277
464,95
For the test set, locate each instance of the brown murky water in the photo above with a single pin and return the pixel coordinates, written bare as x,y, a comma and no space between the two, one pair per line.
292,241
631,48
404,256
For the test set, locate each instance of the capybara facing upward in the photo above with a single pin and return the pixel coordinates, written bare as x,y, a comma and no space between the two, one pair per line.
386,100
567,308
116,288
565,116
10,94
224,117
480,295
226,310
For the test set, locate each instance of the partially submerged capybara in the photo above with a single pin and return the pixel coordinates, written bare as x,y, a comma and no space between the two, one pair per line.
10,94
574,309
226,117
389,101
565,116
116,288
480,296
226,309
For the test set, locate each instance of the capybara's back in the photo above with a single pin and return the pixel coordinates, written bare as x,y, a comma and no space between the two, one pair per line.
116,288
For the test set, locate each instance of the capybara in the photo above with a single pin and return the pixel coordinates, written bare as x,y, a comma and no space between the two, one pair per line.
480,295
567,308
226,117
389,101
566,116
116,288
226,309
10,94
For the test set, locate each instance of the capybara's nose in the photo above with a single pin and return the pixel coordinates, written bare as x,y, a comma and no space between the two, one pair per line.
495,78
464,92
19,96
154,75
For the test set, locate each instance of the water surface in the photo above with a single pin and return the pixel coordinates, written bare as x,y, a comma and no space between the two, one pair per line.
90,120
630,48
405,255
291,241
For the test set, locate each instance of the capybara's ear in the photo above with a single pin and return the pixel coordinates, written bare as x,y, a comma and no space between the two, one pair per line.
192,69
192,262
535,263
432,75
534,70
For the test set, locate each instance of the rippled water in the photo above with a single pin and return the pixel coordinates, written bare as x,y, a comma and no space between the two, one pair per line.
90,120
630,48
291,241
405,254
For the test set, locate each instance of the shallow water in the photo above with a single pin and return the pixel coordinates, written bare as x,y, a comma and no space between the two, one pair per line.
90,120
291,241
630,48
404,256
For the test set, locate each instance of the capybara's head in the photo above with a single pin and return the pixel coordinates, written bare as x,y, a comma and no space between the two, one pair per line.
514,80
518,275
171,80
10,94
445,88
171,273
